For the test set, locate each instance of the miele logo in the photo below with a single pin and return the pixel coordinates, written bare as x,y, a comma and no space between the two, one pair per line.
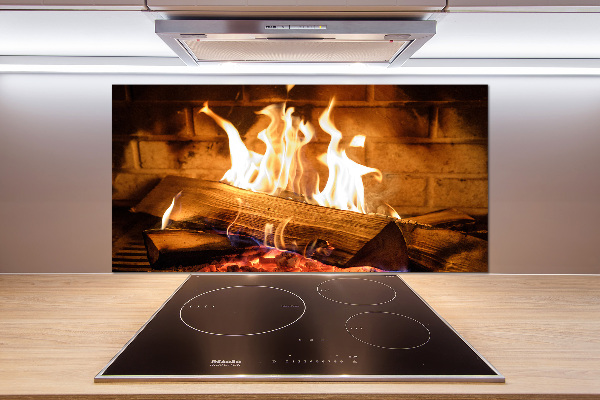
225,363
309,27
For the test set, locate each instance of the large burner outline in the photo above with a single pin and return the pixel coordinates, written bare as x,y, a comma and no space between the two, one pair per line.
388,347
242,334
356,304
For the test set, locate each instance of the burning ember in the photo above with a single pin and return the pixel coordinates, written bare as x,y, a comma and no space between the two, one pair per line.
264,259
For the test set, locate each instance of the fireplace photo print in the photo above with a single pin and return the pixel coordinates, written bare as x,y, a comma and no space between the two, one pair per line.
300,178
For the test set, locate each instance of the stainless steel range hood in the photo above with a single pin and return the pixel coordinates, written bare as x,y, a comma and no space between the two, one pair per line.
386,42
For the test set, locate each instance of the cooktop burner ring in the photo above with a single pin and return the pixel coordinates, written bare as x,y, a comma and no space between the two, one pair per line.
355,332
389,296
288,307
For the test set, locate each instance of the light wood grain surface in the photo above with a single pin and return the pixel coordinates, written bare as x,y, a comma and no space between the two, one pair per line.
542,332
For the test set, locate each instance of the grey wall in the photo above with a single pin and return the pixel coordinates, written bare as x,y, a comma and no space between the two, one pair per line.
544,164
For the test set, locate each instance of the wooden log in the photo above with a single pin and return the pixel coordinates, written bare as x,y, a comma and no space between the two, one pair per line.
169,248
352,239
444,218
455,220
444,250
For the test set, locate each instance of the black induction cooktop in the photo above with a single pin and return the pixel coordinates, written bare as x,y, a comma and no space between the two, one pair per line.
312,327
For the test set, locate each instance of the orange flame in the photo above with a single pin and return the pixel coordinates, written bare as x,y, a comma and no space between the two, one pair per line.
344,188
167,214
392,213
242,160
283,166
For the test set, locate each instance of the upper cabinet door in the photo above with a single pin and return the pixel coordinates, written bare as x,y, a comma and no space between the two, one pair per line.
524,5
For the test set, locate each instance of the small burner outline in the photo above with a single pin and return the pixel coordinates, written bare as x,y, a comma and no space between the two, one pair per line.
243,334
357,304
385,347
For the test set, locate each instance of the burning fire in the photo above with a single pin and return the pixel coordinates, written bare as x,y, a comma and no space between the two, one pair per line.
283,166
392,213
284,169
167,215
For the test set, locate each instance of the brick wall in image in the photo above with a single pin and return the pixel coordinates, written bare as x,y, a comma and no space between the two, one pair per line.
430,142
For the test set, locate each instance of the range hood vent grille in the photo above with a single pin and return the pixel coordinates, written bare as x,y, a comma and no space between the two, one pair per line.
384,42
292,50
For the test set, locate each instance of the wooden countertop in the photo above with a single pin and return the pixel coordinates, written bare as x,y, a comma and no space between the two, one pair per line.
542,332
